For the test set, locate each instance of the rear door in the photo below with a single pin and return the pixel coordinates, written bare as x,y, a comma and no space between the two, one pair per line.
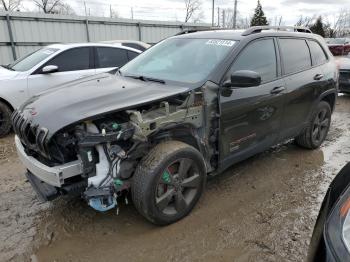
304,82
109,58
73,64
251,117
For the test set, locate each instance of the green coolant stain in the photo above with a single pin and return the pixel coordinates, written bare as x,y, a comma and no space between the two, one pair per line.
118,182
166,177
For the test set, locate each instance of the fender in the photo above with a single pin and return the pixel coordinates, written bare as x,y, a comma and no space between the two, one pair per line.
322,97
330,92
188,134
6,101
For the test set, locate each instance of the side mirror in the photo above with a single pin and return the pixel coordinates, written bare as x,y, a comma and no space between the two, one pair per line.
243,78
49,69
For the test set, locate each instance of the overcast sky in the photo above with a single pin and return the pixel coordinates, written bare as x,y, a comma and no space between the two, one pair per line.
172,10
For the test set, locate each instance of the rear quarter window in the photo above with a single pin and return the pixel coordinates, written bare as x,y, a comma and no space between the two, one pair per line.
317,53
295,54
111,57
132,55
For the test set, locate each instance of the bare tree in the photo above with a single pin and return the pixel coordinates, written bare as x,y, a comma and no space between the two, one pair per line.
113,13
11,5
198,17
228,19
305,21
54,7
64,9
192,7
342,23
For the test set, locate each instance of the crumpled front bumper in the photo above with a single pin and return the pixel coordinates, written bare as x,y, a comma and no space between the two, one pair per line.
53,176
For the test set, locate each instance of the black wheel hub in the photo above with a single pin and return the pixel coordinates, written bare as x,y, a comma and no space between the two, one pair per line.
177,187
320,126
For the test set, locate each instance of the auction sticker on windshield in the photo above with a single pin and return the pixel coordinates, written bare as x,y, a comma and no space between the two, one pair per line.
220,42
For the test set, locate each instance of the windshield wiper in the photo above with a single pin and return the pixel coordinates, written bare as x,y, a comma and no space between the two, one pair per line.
146,78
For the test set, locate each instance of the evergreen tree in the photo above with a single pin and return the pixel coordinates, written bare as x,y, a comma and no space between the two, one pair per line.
318,27
259,17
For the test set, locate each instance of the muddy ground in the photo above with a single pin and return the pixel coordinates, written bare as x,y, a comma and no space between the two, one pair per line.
263,209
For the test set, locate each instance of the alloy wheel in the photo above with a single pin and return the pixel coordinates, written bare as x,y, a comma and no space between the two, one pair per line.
177,186
320,126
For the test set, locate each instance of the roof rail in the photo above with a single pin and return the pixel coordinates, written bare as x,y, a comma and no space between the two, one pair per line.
258,29
194,30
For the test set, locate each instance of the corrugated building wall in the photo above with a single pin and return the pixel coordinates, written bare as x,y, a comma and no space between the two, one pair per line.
22,33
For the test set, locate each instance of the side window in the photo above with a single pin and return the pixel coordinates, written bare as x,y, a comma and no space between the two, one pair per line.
317,53
259,56
111,57
132,55
72,60
296,55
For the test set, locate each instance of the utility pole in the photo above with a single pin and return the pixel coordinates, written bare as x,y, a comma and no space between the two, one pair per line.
235,15
132,13
110,11
223,18
218,16
279,24
85,8
212,14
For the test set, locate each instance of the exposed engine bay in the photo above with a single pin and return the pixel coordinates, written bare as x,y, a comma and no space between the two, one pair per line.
111,147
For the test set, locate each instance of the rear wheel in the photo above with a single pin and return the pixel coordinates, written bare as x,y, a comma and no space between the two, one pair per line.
317,130
168,182
5,119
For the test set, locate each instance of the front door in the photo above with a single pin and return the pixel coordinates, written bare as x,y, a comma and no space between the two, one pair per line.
251,116
72,64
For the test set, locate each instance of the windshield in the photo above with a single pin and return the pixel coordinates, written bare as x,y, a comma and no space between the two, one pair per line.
336,41
179,59
29,61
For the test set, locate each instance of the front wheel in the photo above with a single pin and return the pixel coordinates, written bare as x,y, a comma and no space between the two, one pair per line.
317,130
168,182
5,119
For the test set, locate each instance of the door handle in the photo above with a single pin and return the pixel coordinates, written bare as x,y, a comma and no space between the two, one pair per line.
277,90
318,77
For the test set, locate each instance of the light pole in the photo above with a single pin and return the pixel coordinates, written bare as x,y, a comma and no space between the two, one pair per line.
235,15
212,14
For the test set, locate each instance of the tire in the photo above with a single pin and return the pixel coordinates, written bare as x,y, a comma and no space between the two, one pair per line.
160,191
5,119
317,130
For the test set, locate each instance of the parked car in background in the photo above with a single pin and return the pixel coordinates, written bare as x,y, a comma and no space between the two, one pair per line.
344,74
191,106
330,240
339,46
142,46
51,66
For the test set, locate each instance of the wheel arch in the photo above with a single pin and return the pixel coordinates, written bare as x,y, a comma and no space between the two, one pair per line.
183,132
7,103
329,97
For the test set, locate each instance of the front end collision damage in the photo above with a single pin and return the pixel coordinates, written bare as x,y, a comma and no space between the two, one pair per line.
110,147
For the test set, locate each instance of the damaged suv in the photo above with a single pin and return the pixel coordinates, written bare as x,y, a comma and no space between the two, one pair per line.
188,107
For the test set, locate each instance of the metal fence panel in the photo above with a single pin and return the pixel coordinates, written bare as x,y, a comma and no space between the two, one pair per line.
101,32
154,34
31,31
5,55
4,34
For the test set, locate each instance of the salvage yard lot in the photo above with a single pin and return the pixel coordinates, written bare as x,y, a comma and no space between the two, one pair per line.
263,209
